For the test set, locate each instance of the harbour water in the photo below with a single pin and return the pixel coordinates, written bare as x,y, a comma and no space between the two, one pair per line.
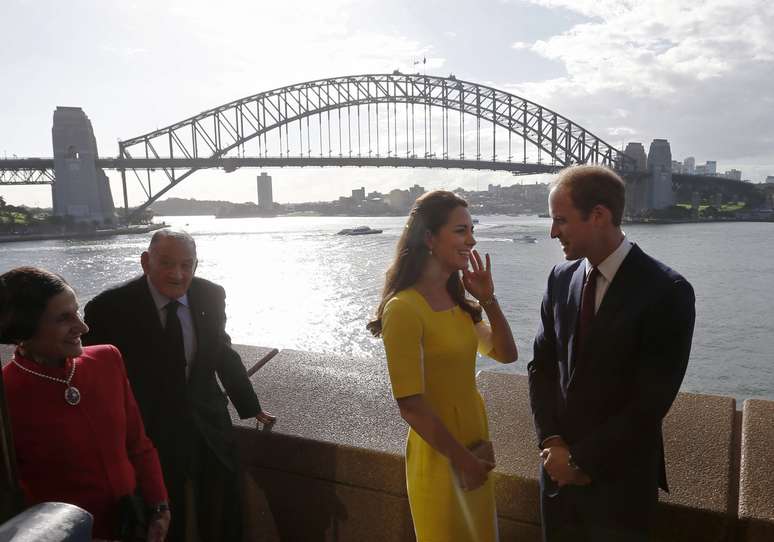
292,283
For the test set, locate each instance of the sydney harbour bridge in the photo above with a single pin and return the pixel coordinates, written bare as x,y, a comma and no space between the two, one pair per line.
375,120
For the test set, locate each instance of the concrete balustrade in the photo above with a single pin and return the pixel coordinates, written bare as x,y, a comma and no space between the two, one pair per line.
756,487
332,467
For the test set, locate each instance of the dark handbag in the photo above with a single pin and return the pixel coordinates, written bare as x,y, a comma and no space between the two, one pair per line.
132,519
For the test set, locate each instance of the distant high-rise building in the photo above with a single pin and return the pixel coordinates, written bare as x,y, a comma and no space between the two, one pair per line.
677,167
399,200
733,174
358,195
637,152
689,165
701,169
81,190
660,193
712,167
265,197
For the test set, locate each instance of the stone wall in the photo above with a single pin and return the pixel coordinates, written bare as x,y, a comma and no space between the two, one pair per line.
332,466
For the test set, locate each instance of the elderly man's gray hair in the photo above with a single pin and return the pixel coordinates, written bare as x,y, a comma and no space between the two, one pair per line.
178,235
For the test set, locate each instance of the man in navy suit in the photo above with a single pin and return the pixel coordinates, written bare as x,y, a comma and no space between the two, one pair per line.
609,357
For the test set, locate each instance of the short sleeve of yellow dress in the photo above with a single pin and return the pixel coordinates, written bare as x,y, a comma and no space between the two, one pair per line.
433,353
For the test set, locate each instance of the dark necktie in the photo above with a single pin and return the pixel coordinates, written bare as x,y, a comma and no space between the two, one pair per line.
588,300
173,335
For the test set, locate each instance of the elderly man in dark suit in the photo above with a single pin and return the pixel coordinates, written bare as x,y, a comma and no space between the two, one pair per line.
609,359
170,328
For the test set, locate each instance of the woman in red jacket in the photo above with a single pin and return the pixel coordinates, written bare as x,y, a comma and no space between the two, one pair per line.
77,431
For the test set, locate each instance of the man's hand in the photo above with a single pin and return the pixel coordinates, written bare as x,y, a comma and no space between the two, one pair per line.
556,461
265,418
159,525
554,441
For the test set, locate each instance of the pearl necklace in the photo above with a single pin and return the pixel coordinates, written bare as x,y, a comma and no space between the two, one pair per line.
72,394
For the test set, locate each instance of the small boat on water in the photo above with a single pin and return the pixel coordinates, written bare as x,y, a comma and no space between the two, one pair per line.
362,230
526,239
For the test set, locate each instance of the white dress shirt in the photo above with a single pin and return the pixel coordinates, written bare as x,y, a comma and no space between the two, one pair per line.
186,322
607,270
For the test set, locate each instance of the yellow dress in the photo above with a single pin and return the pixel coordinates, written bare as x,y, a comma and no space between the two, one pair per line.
433,353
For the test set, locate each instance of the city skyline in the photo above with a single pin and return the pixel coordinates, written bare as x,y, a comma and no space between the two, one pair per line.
691,74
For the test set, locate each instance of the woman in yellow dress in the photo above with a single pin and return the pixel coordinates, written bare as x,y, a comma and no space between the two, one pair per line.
431,333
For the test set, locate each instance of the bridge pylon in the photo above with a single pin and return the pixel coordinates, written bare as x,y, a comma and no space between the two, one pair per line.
82,189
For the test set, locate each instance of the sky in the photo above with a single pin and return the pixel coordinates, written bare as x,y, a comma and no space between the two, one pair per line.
698,73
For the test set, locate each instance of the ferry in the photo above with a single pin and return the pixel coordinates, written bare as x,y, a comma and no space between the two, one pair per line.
362,230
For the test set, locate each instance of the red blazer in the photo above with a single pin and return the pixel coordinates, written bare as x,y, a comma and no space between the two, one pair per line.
90,454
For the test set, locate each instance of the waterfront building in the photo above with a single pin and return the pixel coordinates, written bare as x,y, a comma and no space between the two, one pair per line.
677,167
358,195
402,200
734,174
398,200
689,165
81,189
712,167
535,193
265,196
415,191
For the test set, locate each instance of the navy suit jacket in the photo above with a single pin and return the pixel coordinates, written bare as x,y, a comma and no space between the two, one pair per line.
609,406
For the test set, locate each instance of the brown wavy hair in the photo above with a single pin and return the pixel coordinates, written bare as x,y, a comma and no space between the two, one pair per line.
430,212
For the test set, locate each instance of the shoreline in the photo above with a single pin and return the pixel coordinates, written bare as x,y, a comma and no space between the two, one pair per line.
655,221
95,234
692,220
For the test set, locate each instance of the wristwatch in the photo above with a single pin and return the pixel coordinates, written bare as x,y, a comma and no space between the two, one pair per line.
159,508
572,464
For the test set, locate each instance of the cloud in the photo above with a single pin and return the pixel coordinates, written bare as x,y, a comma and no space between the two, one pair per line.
621,131
325,37
695,73
125,52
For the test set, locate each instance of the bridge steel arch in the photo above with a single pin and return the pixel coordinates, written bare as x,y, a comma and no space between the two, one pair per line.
216,134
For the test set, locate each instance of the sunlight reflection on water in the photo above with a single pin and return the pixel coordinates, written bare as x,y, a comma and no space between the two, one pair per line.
292,283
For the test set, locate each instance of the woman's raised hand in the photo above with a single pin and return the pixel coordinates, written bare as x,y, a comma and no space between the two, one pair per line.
478,279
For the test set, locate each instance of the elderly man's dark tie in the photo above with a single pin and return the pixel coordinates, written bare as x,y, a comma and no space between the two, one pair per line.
586,318
173,335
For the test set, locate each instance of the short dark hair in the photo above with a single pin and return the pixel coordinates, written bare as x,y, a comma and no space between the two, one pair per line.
590,186
178,235
24,295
